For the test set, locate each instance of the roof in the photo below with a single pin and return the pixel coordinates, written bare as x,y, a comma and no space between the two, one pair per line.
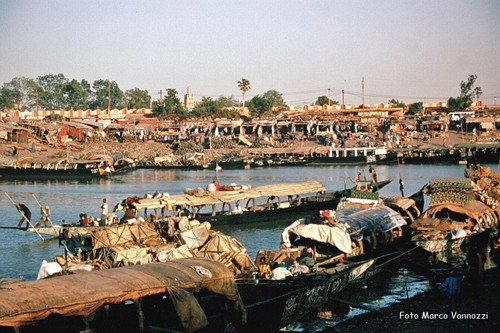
82,294
284,189
473,208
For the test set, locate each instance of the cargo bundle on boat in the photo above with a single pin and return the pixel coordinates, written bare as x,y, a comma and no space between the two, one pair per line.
456,226
145,242
359,226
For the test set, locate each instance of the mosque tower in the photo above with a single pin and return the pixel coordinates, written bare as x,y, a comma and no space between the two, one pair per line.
188,99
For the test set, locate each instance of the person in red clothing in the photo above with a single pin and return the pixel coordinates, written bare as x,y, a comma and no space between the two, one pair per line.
217,185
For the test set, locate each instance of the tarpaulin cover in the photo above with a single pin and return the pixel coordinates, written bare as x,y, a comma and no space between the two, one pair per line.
334,236
370,219
24,303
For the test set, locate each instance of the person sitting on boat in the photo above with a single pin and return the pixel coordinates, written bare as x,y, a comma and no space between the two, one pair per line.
299,269
264,268
237,209
84,220
129,215
306,258
217,185
183,211
279,271
25,214
45,217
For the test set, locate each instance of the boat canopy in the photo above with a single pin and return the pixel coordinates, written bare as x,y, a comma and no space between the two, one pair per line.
473,208
380,218
277,190
27,302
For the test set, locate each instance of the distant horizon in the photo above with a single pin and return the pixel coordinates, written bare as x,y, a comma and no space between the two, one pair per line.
410,51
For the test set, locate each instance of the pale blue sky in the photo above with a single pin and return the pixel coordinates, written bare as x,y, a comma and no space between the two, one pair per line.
409,50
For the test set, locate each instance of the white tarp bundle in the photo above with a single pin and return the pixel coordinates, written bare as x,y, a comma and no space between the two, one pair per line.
319,232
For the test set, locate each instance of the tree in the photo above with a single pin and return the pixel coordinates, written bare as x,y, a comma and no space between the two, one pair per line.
207,108
227,102
8,97
137,98
415,108
467,93
259,106
77,94
324,100
100,95
52,91
398,104
170,107
244,86
275,98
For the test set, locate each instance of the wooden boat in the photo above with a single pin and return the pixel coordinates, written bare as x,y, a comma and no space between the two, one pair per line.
56,230
456,227
266,203
181,295
29,167
358,227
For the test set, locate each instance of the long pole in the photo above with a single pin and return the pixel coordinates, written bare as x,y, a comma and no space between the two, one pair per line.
22,214
39,205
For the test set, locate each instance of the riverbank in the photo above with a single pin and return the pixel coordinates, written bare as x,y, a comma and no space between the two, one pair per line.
476,310
190,153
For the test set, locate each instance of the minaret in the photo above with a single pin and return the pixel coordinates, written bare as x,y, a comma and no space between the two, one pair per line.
188,99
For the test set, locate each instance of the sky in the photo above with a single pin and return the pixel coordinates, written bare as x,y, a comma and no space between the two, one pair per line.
411,51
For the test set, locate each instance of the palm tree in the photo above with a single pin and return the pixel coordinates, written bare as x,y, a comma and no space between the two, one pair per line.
244,86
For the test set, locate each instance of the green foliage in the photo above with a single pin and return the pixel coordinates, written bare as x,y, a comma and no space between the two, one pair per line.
99,97
137,98
467,93
170,107
8,97
244,86
52,88
54,117
259,106
221,108
398,104
77,95
415,108
324,100
271,103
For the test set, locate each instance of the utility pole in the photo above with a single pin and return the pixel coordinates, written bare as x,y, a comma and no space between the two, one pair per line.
161,96
109,99
343,105
363,91
328,96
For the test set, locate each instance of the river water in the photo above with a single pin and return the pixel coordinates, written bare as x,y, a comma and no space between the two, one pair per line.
22,252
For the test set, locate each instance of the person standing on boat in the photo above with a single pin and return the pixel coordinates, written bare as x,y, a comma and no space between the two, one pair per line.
104,212
45,217
358,180
25,213
373,176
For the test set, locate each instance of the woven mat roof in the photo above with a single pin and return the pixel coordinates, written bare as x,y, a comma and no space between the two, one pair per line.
284,189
